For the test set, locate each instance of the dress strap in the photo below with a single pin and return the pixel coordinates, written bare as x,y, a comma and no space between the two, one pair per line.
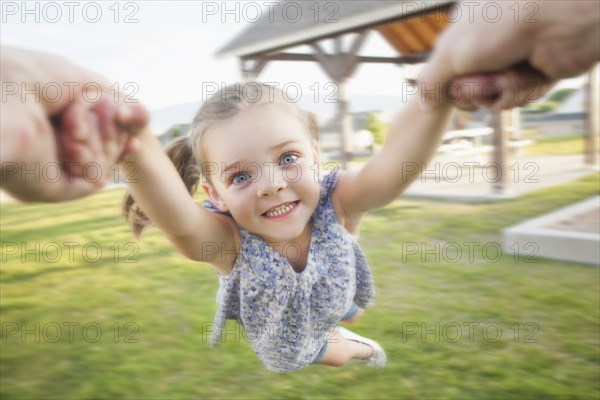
210,206
329,183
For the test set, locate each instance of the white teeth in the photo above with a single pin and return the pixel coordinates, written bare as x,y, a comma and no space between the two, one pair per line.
284,208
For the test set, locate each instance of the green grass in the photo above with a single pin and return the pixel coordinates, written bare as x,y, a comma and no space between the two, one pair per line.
542,146
557,145
165,302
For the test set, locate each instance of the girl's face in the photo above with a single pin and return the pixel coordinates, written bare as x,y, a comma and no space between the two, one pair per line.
263,170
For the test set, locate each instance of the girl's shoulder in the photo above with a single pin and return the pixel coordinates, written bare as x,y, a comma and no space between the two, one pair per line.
338,182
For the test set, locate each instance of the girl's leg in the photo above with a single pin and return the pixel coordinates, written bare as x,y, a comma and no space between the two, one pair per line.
341,350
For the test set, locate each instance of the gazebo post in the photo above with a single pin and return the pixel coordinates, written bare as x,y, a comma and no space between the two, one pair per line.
250,74
593,121
515,130
345,123
339,66
332,66
500,139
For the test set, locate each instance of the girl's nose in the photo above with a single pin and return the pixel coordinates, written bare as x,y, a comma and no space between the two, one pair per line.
270,186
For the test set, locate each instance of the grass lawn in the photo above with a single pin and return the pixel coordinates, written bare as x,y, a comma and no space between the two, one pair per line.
88,312
557,145
542,146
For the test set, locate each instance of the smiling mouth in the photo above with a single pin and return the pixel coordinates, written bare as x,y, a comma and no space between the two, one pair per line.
281,210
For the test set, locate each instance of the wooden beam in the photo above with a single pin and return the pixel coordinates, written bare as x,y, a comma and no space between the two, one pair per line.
339,57
593,120
358,42
292,57
416,59
391,37
438,21
353,59
407,38
325,62
251,73
426,30
337,45
416,28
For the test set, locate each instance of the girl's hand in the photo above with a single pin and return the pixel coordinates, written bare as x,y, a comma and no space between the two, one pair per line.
95,139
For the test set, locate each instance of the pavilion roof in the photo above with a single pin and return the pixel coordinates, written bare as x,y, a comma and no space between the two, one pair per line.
293,23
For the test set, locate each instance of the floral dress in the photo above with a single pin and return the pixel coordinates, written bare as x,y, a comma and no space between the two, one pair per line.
288,315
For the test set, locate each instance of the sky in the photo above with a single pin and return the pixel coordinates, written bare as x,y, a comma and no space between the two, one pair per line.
165,51
164,48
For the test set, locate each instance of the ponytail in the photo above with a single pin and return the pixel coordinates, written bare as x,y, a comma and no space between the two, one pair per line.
181,153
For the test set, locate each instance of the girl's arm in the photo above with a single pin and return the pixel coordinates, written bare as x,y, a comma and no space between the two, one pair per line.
158,189
411,143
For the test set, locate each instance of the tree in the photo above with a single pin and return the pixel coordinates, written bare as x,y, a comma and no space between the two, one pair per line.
175,133
377,128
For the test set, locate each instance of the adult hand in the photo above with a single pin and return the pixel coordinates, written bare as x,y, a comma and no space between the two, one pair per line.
533,42
54,121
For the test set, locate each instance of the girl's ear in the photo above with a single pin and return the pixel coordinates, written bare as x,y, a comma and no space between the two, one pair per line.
214,197
316,153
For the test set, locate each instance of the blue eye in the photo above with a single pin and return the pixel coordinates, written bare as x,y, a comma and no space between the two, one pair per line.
240,178
288,158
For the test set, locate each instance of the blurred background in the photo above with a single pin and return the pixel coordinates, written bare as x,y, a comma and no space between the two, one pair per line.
486,269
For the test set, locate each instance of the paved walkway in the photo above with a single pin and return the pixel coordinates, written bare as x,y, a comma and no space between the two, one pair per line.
470,179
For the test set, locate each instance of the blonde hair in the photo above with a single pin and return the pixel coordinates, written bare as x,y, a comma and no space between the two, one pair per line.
186,152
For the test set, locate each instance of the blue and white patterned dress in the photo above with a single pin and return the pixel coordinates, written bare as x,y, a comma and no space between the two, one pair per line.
287,315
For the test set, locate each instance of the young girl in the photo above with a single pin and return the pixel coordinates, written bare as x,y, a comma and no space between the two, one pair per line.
282,240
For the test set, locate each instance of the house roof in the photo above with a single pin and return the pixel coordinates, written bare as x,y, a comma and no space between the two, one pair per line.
292,23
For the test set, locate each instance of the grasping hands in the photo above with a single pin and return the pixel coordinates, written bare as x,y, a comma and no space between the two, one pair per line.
39,129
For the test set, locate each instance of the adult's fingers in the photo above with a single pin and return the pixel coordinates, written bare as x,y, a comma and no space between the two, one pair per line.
452,64
568,44
71,122
74,135
474,46
132,116
111,140
68,188
520,86
511,88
